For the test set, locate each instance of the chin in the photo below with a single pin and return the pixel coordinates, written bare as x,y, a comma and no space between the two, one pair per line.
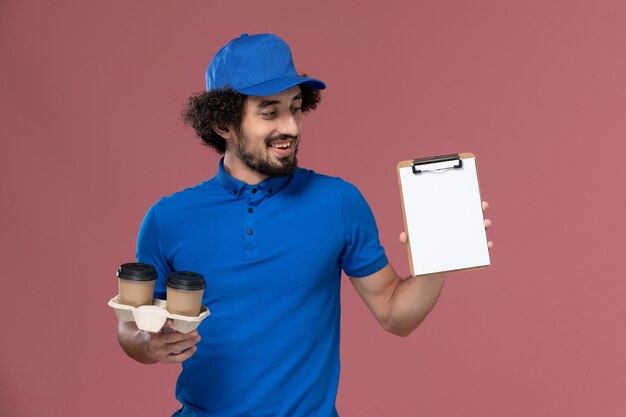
281,169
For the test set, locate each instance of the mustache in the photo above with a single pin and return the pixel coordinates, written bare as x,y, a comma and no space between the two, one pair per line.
280,137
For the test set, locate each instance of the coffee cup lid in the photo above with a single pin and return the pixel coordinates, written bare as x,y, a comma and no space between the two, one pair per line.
135,271
185,280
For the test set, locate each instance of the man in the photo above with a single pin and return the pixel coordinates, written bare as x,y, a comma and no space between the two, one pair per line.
271,240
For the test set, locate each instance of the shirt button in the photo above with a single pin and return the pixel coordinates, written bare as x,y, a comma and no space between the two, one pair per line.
235,192
249,231
253,190
250,210
269,191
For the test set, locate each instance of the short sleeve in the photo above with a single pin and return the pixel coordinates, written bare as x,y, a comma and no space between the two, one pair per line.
362,254
150,250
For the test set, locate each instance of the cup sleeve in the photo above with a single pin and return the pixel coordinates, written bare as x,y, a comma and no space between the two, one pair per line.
150,250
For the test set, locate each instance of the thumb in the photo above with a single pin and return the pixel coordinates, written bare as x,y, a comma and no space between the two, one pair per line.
403,238
167,327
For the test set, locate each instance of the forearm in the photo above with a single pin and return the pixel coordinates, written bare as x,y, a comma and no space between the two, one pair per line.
134,342
412,300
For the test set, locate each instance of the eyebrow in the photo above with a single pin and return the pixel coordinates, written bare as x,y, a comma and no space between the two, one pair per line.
265,103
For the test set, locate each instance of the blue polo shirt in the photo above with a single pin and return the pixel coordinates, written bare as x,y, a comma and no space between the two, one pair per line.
272,256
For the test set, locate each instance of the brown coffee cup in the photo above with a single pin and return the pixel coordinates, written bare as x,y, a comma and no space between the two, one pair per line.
184,293
136,283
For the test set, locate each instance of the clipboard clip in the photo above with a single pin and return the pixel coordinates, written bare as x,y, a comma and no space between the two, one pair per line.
437,163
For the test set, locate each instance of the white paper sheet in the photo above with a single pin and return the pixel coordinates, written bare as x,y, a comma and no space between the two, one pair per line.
443,211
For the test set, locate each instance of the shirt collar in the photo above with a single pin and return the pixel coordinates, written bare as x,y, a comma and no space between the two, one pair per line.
235,187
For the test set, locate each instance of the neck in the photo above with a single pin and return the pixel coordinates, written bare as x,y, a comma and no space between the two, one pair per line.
238,170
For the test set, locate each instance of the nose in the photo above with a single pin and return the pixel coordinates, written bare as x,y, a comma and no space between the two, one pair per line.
289,125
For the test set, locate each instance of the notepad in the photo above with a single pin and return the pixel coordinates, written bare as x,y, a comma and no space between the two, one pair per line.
443,215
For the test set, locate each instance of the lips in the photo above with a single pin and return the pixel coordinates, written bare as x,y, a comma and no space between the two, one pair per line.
281,144
282,147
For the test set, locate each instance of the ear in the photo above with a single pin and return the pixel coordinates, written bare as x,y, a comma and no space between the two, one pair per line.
224,131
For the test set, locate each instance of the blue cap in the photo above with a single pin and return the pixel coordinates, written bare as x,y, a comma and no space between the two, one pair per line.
256,65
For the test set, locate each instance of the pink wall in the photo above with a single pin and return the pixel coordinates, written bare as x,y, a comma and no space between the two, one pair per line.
90,134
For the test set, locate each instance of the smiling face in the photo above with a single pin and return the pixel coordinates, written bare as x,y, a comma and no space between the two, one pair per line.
267,141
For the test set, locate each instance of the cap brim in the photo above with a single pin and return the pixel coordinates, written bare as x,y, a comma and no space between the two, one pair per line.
278,85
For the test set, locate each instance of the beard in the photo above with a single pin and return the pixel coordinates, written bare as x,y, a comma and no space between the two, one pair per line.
263,164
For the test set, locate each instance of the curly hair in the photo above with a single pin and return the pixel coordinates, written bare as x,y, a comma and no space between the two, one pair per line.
224,107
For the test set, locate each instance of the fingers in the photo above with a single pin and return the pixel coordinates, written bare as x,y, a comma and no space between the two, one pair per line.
403,238
173,347
175,337
487,223
180,357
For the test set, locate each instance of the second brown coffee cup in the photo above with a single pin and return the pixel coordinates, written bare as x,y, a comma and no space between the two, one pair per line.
184,293
136,283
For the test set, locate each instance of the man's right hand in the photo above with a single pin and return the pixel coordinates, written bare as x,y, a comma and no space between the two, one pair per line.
165,346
